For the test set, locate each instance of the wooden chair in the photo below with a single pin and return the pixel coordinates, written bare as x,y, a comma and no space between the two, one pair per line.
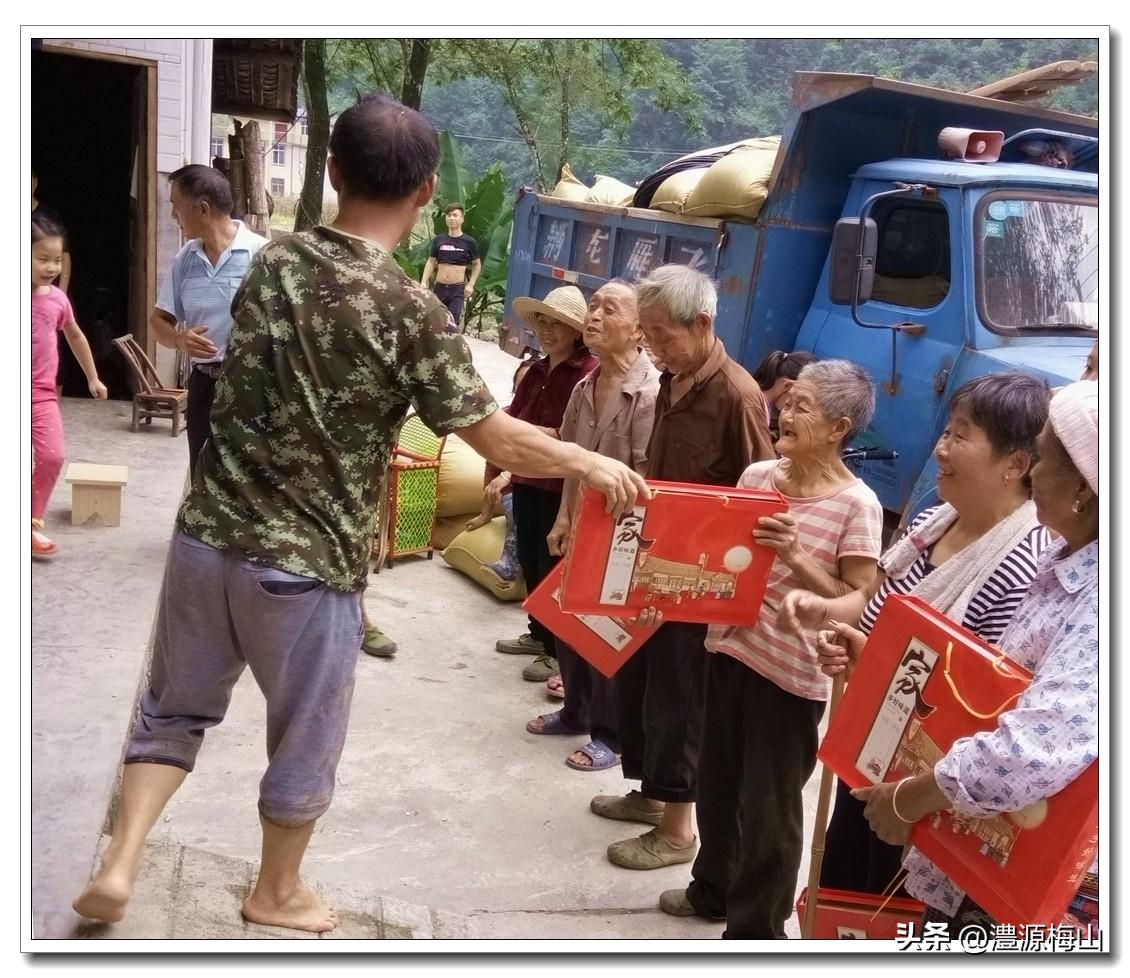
413,480
151,400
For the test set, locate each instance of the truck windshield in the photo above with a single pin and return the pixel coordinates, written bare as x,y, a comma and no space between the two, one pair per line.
1038,265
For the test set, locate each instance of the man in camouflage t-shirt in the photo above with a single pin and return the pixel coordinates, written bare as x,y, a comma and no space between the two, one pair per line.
332,344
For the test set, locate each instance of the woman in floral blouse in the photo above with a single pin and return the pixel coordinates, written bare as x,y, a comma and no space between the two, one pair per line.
1055,635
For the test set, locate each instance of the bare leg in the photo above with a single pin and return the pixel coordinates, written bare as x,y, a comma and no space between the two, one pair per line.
146,789
676,825
279,898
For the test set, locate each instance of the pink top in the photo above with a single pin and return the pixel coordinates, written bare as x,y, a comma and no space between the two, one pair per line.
49,314
845,523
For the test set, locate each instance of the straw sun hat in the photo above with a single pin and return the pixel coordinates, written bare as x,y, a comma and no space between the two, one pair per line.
566,304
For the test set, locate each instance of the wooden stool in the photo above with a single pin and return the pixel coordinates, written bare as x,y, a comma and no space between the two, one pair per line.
96,490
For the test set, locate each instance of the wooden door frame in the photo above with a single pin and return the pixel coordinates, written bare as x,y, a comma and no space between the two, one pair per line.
142,300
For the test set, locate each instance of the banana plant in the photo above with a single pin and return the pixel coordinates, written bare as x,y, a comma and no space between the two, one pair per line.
488,218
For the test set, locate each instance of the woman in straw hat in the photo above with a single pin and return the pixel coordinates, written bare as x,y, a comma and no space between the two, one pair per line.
1054,634
557,321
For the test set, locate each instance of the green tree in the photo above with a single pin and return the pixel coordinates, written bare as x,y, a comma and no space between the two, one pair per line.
547,83
309,211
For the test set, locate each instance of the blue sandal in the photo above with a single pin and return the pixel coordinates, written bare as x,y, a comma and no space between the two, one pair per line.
551,723
597,751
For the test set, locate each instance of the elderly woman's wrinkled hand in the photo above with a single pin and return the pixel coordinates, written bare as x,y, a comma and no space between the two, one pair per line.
496,487
799,610
779,531
880,813
556,538
838,648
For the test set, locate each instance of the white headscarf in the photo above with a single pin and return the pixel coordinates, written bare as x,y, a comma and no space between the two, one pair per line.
1074,414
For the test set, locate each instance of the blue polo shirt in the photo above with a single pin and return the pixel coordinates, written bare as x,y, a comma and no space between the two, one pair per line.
196,293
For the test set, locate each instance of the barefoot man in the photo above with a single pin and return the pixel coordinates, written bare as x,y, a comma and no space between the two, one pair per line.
331,345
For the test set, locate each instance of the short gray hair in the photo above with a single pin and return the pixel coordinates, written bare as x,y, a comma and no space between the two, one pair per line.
843,390
681,290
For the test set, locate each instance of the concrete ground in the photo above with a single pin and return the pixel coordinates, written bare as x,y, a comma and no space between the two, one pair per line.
449,821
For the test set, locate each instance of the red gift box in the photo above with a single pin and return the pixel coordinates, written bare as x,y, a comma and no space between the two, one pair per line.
843,915
605,643
922,683
689,552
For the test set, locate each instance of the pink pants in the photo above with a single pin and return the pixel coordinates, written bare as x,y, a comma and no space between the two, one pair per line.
47,453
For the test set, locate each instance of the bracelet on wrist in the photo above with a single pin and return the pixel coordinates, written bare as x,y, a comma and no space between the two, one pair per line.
894,803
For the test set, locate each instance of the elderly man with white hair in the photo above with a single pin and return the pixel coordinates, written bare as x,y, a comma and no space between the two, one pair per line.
710,424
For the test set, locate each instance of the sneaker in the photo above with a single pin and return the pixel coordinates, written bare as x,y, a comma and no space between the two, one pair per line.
650,851
524,644
378,643
540,669
675,903
41,544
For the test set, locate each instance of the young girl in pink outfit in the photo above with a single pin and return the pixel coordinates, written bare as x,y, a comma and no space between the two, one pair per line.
50,312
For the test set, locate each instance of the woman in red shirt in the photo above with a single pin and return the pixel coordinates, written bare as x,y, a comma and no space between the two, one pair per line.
557,321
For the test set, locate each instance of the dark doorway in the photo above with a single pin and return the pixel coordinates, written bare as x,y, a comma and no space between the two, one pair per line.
83,146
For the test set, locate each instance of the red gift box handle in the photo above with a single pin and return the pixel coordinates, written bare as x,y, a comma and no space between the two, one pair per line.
961,700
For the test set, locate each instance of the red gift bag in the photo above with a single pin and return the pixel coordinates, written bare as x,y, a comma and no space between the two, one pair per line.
843,915
689,552
922,683
605,643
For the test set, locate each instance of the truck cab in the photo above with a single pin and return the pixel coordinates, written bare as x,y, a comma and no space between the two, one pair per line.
977,266
993,266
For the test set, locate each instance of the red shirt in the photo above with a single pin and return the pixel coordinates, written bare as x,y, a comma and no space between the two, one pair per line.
541,399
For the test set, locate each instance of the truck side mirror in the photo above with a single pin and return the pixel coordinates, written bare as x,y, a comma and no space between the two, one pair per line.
851,258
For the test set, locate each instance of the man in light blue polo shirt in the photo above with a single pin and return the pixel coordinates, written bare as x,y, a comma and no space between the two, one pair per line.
198,291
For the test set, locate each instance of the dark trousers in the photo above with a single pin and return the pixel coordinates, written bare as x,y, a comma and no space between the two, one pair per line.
590,700
659,712
201,391
855,858
758,751
535,511
452,297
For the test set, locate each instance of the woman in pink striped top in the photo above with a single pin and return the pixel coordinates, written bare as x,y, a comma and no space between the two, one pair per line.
765,691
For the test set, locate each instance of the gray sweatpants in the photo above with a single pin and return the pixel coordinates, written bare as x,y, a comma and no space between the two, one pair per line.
219,613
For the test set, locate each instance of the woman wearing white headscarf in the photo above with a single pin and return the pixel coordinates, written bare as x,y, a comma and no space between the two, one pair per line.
1054,634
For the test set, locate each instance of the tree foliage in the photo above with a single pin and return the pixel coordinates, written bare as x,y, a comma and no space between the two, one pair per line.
552,85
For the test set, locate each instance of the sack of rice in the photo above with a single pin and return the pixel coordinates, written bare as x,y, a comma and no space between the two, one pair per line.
609,190
737,185
569,187
672,193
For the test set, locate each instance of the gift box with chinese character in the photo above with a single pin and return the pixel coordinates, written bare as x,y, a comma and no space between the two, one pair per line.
689,552
605,643
922,683
844,915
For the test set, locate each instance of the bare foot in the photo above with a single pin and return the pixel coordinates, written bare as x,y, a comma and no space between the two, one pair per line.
476,521
106,897
302,910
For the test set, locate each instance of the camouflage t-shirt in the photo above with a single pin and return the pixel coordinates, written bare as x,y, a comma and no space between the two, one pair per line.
332,343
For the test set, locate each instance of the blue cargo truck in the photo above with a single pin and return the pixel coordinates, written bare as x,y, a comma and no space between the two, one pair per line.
874,246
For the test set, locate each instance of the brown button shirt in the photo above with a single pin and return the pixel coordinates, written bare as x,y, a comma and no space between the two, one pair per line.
624,427
714,431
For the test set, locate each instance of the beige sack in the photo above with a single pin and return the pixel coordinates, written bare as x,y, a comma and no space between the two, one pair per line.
672,193
569,187
460,486
473,548
609,190
737,185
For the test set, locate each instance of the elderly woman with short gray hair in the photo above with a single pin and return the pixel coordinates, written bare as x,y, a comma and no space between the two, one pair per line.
765,690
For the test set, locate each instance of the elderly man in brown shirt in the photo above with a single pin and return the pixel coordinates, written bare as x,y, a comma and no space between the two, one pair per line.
710,424
610,412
